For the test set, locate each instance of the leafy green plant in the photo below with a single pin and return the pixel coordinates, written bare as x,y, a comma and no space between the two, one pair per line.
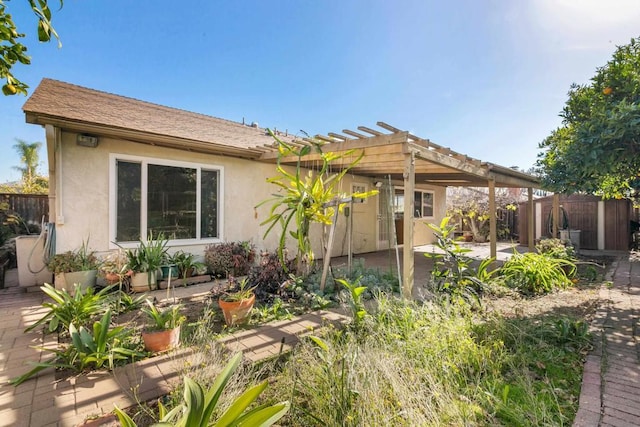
238,291
199,408
306,197
270,312
89,349
556,248
164,319
533,273
65,309
358,310
186,263
70,261
453,271
122,302
149,255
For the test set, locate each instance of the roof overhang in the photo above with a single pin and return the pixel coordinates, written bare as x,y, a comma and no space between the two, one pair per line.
385,154
205,147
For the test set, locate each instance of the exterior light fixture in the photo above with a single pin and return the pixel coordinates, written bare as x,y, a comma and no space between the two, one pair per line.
87,140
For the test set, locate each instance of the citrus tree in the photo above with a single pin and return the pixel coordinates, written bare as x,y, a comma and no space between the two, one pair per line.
12,51
597,148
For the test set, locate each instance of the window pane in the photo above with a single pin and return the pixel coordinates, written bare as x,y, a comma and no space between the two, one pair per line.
171,201
427,204
417,209
209,204
128,201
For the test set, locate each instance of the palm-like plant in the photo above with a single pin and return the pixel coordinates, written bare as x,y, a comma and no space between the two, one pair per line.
29,158
306,197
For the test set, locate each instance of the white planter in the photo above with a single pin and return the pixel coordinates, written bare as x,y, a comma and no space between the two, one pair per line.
84,279
143,282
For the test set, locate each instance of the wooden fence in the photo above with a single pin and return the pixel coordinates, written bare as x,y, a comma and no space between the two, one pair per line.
30,207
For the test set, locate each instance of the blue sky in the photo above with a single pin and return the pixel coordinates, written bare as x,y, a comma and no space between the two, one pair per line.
485,78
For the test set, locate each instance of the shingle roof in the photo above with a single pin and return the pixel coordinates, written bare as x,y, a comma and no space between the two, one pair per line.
53,99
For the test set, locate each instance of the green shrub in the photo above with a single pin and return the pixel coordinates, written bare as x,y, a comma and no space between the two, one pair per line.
452,272
556,248
533,273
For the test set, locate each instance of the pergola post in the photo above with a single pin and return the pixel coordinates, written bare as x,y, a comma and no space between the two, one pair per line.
493,233
52,135
409,208
531,219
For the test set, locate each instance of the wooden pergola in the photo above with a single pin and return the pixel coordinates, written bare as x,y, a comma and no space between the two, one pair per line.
406,157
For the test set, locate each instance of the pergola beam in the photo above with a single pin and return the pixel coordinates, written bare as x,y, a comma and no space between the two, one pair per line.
355,134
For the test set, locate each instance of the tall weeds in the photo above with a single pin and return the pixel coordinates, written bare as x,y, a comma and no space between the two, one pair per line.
431,365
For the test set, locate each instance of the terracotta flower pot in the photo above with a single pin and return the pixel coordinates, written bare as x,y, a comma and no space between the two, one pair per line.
156,341
236,312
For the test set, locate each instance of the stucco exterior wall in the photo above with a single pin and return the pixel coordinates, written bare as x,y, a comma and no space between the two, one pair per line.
422,234
83,211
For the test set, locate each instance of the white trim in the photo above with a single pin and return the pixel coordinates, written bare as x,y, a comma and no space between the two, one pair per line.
144,162
433,207
601,226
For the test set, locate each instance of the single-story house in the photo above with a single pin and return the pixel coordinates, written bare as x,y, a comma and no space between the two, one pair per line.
120,168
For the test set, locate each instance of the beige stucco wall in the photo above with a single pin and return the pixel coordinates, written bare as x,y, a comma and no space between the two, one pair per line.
422,234
82,178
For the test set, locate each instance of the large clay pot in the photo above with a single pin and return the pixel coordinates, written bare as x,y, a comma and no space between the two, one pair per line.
144,282
156,341
236,312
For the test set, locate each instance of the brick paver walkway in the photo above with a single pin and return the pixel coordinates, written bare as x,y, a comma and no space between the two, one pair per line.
45,401
610,390
611,383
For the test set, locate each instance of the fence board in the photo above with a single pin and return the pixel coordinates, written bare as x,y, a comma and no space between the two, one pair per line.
31,207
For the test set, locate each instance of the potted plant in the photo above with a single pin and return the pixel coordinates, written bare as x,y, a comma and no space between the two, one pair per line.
114,268
145,261
164,332
71,268
236,303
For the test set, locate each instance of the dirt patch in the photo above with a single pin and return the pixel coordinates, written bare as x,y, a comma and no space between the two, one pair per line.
580,301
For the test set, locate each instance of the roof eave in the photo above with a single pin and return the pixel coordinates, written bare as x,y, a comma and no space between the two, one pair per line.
206,147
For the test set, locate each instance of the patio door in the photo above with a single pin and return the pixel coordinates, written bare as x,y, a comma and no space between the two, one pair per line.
385,217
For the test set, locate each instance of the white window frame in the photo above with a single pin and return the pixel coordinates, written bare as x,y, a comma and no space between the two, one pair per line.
144,162
399,208
433,206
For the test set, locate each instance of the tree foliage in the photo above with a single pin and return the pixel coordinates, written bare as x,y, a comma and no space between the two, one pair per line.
12,51
31,181
597,149
471,206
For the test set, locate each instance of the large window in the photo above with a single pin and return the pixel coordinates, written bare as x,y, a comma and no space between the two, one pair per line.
181,201
423,204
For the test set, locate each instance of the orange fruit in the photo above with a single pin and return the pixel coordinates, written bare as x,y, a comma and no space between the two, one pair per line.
607,90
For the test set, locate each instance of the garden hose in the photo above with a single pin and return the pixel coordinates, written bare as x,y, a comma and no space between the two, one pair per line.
48,233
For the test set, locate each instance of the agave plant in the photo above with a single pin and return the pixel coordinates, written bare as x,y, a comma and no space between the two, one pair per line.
89,349
199,406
